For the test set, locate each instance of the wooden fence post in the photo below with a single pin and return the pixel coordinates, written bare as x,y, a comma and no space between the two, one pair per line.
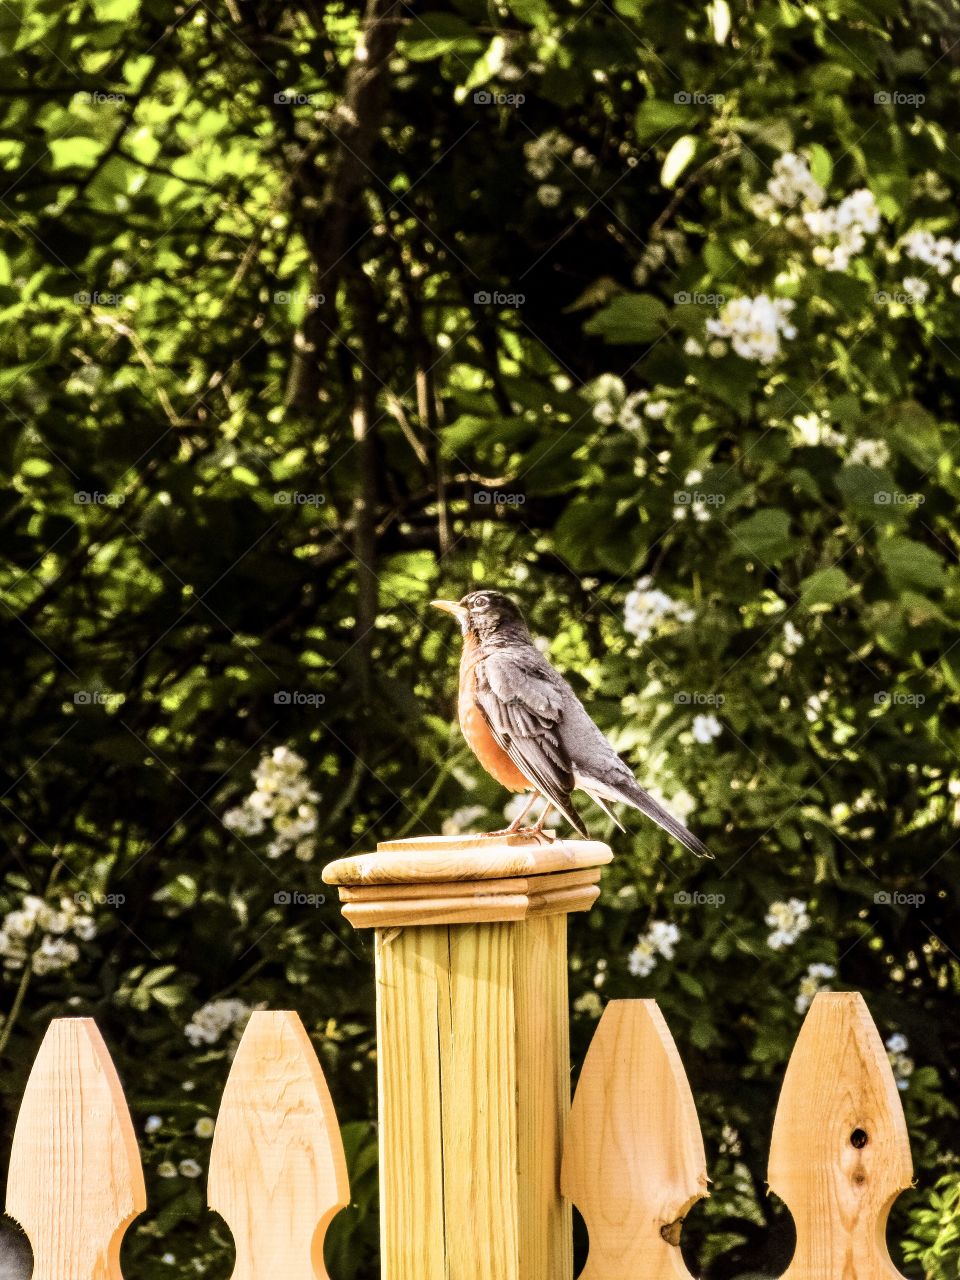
840,1154
277,1169
473,1057
75,1179
633,1159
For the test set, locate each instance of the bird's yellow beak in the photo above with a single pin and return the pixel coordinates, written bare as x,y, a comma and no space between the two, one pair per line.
451,606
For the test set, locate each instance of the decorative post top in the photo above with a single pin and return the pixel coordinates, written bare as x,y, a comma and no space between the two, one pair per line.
467,879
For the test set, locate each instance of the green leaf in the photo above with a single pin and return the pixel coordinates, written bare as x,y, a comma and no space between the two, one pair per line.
826,587
764,535
911,564
433,34
655,117
630,317
678,158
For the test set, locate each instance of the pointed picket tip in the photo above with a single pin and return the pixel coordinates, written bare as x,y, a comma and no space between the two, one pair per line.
277,1169
75,1180
633,1159
840,1154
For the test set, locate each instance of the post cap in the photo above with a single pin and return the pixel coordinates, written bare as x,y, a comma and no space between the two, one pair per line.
467,879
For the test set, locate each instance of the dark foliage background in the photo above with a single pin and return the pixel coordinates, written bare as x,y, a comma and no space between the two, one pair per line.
306,319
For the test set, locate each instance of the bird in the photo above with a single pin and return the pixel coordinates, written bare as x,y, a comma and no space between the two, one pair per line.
528,728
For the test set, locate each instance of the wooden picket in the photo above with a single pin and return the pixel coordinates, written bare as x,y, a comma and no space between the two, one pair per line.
633,1159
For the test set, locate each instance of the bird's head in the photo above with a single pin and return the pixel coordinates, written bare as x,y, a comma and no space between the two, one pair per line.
485,614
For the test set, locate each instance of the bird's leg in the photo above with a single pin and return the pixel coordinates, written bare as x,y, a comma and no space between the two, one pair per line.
538,829
517,823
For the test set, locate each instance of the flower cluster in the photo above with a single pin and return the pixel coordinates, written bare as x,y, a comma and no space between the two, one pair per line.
841,230
283,797
210,1022
793,182
792,638
939,252
813,429
660,940
869,453
817,978
698,506
900,1061
754,327
787,920
646,610
706,728
38,932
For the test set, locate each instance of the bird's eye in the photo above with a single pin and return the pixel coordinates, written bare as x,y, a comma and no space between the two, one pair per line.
481,602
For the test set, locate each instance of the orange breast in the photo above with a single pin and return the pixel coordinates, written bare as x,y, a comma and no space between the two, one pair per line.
476,730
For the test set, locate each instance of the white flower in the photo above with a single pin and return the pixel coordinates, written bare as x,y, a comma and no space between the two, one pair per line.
549,195
657,409
692,347
152,1124
589,1003
917,287
754,326
167,1169
869,453
204,1127
812,429
582,158
462,819
901,1063
842,229
189,1169
706,728
210,1022
792,638
283,798
814,980
660,940
55,954
646,610
792,181
937,252
787,920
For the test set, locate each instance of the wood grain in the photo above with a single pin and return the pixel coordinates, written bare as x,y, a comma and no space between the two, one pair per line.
438,859
474,1088
75,1179
277,1169
470,888
633,1159
840,1154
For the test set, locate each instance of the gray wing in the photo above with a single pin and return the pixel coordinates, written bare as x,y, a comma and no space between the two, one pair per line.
524,707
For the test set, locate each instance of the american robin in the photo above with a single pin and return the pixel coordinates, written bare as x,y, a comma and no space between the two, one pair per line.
529,729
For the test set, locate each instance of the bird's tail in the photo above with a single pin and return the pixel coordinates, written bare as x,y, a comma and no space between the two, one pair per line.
631,793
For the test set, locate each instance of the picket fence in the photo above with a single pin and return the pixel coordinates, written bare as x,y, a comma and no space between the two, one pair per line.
632,1161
